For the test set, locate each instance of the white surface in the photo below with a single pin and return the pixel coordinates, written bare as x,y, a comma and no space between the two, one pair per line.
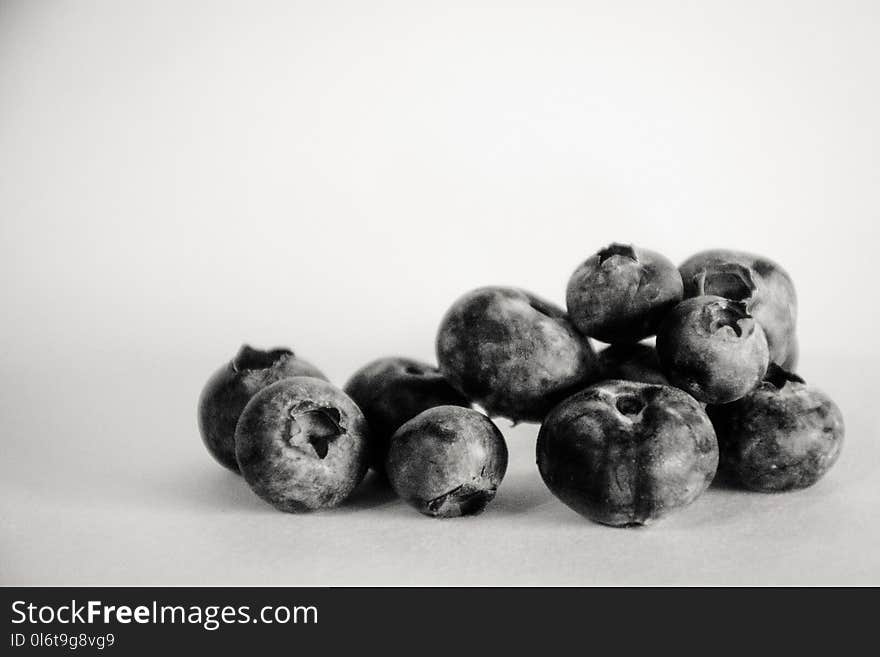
178,178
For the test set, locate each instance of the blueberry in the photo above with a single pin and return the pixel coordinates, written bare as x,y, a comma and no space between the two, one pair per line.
447,461
624,453
762,285
783,435
232,386
712,348
301,444
512,352
391,391
621,293
632,362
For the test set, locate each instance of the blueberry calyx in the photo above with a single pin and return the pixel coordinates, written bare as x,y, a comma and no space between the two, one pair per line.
629,405
725,313
468,497
316,427
778,376
731,281
617,249
249,359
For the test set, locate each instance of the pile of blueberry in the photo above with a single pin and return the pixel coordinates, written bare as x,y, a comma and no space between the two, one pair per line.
627,435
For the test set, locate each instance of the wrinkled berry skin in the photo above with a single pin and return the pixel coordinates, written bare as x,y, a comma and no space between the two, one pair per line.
302,444
782,436
231,387
713,349
390,391
624,453
622,293
513,353
447,461
632,362
765,288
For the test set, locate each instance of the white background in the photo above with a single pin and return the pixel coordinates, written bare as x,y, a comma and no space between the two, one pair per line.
177,178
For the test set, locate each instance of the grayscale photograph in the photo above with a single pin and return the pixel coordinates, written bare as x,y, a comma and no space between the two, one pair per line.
415,294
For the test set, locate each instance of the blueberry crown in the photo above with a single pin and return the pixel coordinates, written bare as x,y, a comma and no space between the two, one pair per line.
613,249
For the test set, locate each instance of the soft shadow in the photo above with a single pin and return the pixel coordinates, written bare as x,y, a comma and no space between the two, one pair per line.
521,493
222,490
373,492
724,481
215,488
